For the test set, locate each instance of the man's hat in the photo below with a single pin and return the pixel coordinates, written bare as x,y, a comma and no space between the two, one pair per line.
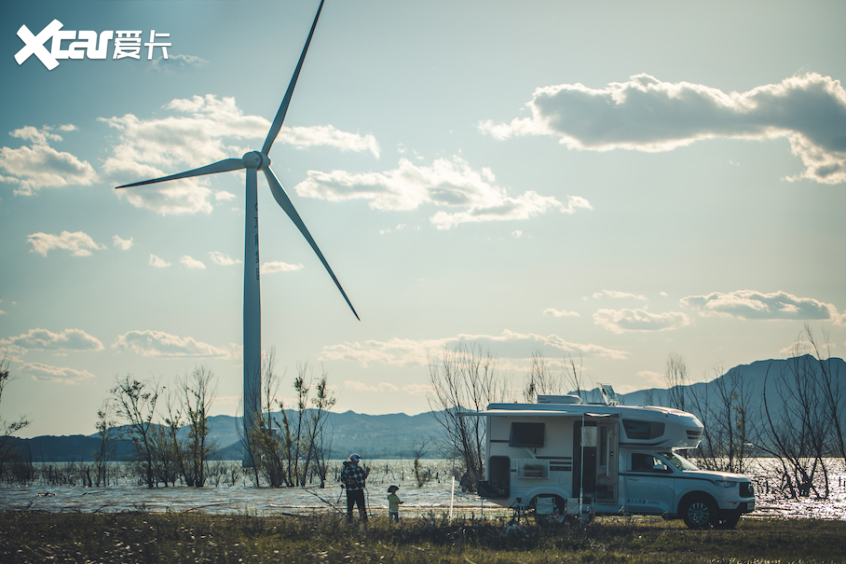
355,457
392,489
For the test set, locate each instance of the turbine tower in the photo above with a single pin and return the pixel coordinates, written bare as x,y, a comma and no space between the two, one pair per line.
253,162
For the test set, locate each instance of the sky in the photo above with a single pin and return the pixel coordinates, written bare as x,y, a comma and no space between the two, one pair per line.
608,182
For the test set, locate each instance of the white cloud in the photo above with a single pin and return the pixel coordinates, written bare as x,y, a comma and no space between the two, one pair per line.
276,266
402,352
38,165
529,341
80,244
417,389
54,374
447,183
560,313
624,320
517,233
177,61
224,196
158,262
165,345
12,352
192,263
199,131
228,404
302,137
399,227
221,259
43,339
799,348
387,387
124,244
749,304
646,114
617,295
652,378
356,386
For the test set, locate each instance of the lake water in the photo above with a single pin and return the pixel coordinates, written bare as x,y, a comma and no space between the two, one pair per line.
432,497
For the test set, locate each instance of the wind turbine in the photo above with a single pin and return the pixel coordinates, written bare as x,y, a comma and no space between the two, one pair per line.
253,162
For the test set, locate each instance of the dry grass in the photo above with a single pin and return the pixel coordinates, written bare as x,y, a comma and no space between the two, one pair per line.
164,538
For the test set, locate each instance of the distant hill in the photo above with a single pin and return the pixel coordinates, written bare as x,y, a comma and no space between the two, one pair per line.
373,436
752,375
395,435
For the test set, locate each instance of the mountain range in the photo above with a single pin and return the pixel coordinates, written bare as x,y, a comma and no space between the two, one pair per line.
395,435
399,435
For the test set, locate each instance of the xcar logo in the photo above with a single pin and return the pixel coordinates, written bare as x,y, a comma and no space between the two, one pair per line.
126,44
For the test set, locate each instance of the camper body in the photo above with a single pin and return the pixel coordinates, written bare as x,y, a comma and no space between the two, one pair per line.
562,459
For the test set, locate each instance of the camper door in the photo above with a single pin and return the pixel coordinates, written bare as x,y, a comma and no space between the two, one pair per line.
595,447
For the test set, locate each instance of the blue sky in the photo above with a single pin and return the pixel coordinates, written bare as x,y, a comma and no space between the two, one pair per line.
607,181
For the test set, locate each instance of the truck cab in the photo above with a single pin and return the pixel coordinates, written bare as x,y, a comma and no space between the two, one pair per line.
560,459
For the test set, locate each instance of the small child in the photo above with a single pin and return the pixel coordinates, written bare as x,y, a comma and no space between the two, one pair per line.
393,503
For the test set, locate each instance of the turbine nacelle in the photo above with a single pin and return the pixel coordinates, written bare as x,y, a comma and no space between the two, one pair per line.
256,160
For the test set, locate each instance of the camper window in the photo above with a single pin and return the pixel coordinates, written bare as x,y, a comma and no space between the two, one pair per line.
678,461
529,435
648,463
642,429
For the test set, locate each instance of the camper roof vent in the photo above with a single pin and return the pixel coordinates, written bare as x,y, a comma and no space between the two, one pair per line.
568,399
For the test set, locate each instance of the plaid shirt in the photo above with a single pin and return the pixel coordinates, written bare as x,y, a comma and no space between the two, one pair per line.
353,477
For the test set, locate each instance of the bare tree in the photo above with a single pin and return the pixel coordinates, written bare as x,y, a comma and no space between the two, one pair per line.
295,425
302,430
135,403
795,430
725,409
291,445
263,448
255,430
649,397
105,450
422,475
541,379
465,379
677,381
314,445
323,452
575,375
167,457
7,428
199,392
832,392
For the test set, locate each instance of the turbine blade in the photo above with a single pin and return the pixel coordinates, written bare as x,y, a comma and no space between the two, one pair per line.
286,204
226,165
283,108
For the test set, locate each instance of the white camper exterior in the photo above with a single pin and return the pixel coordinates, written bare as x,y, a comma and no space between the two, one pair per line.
560,458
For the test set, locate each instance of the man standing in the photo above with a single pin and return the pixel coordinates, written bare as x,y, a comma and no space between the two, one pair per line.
353,479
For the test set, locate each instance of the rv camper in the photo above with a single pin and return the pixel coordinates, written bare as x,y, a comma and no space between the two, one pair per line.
563,459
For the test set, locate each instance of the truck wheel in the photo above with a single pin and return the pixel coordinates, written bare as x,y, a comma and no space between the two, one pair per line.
728,522
698,513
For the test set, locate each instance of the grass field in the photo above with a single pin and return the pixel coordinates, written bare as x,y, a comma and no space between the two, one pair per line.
163,537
